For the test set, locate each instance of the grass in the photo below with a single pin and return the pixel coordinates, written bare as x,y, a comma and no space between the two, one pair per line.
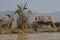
5,31
28,30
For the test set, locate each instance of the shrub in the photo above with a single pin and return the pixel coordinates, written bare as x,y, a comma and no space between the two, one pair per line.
57,24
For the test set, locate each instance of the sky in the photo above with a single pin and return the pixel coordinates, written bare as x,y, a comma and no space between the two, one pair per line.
40,6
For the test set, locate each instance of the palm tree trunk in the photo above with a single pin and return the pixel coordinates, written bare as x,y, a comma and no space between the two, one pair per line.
10,23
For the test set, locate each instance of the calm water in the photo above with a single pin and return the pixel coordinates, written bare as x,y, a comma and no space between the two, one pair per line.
35,36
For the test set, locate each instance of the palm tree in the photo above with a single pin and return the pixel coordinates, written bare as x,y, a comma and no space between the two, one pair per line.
20,10
10,20
1,21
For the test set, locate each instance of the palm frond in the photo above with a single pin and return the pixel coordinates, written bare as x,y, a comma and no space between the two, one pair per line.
19,7
8,15
29,11
2,18
24,8
16,11
25,5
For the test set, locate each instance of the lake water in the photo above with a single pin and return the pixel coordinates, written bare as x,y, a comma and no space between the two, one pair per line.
8,37
35,36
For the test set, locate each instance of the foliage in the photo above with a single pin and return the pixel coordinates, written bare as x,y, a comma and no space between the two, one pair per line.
10,20
57,24
22,19
1,21
22,23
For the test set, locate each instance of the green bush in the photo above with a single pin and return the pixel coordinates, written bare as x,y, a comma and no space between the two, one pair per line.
57,24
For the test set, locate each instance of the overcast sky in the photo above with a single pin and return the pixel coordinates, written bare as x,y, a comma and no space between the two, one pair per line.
40,6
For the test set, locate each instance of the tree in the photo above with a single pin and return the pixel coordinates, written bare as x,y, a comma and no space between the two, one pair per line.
10,20
1,21
22,19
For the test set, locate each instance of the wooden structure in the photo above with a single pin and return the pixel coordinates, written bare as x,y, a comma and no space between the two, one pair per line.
44,20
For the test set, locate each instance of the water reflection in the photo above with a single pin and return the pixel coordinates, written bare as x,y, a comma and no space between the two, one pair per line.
35,36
